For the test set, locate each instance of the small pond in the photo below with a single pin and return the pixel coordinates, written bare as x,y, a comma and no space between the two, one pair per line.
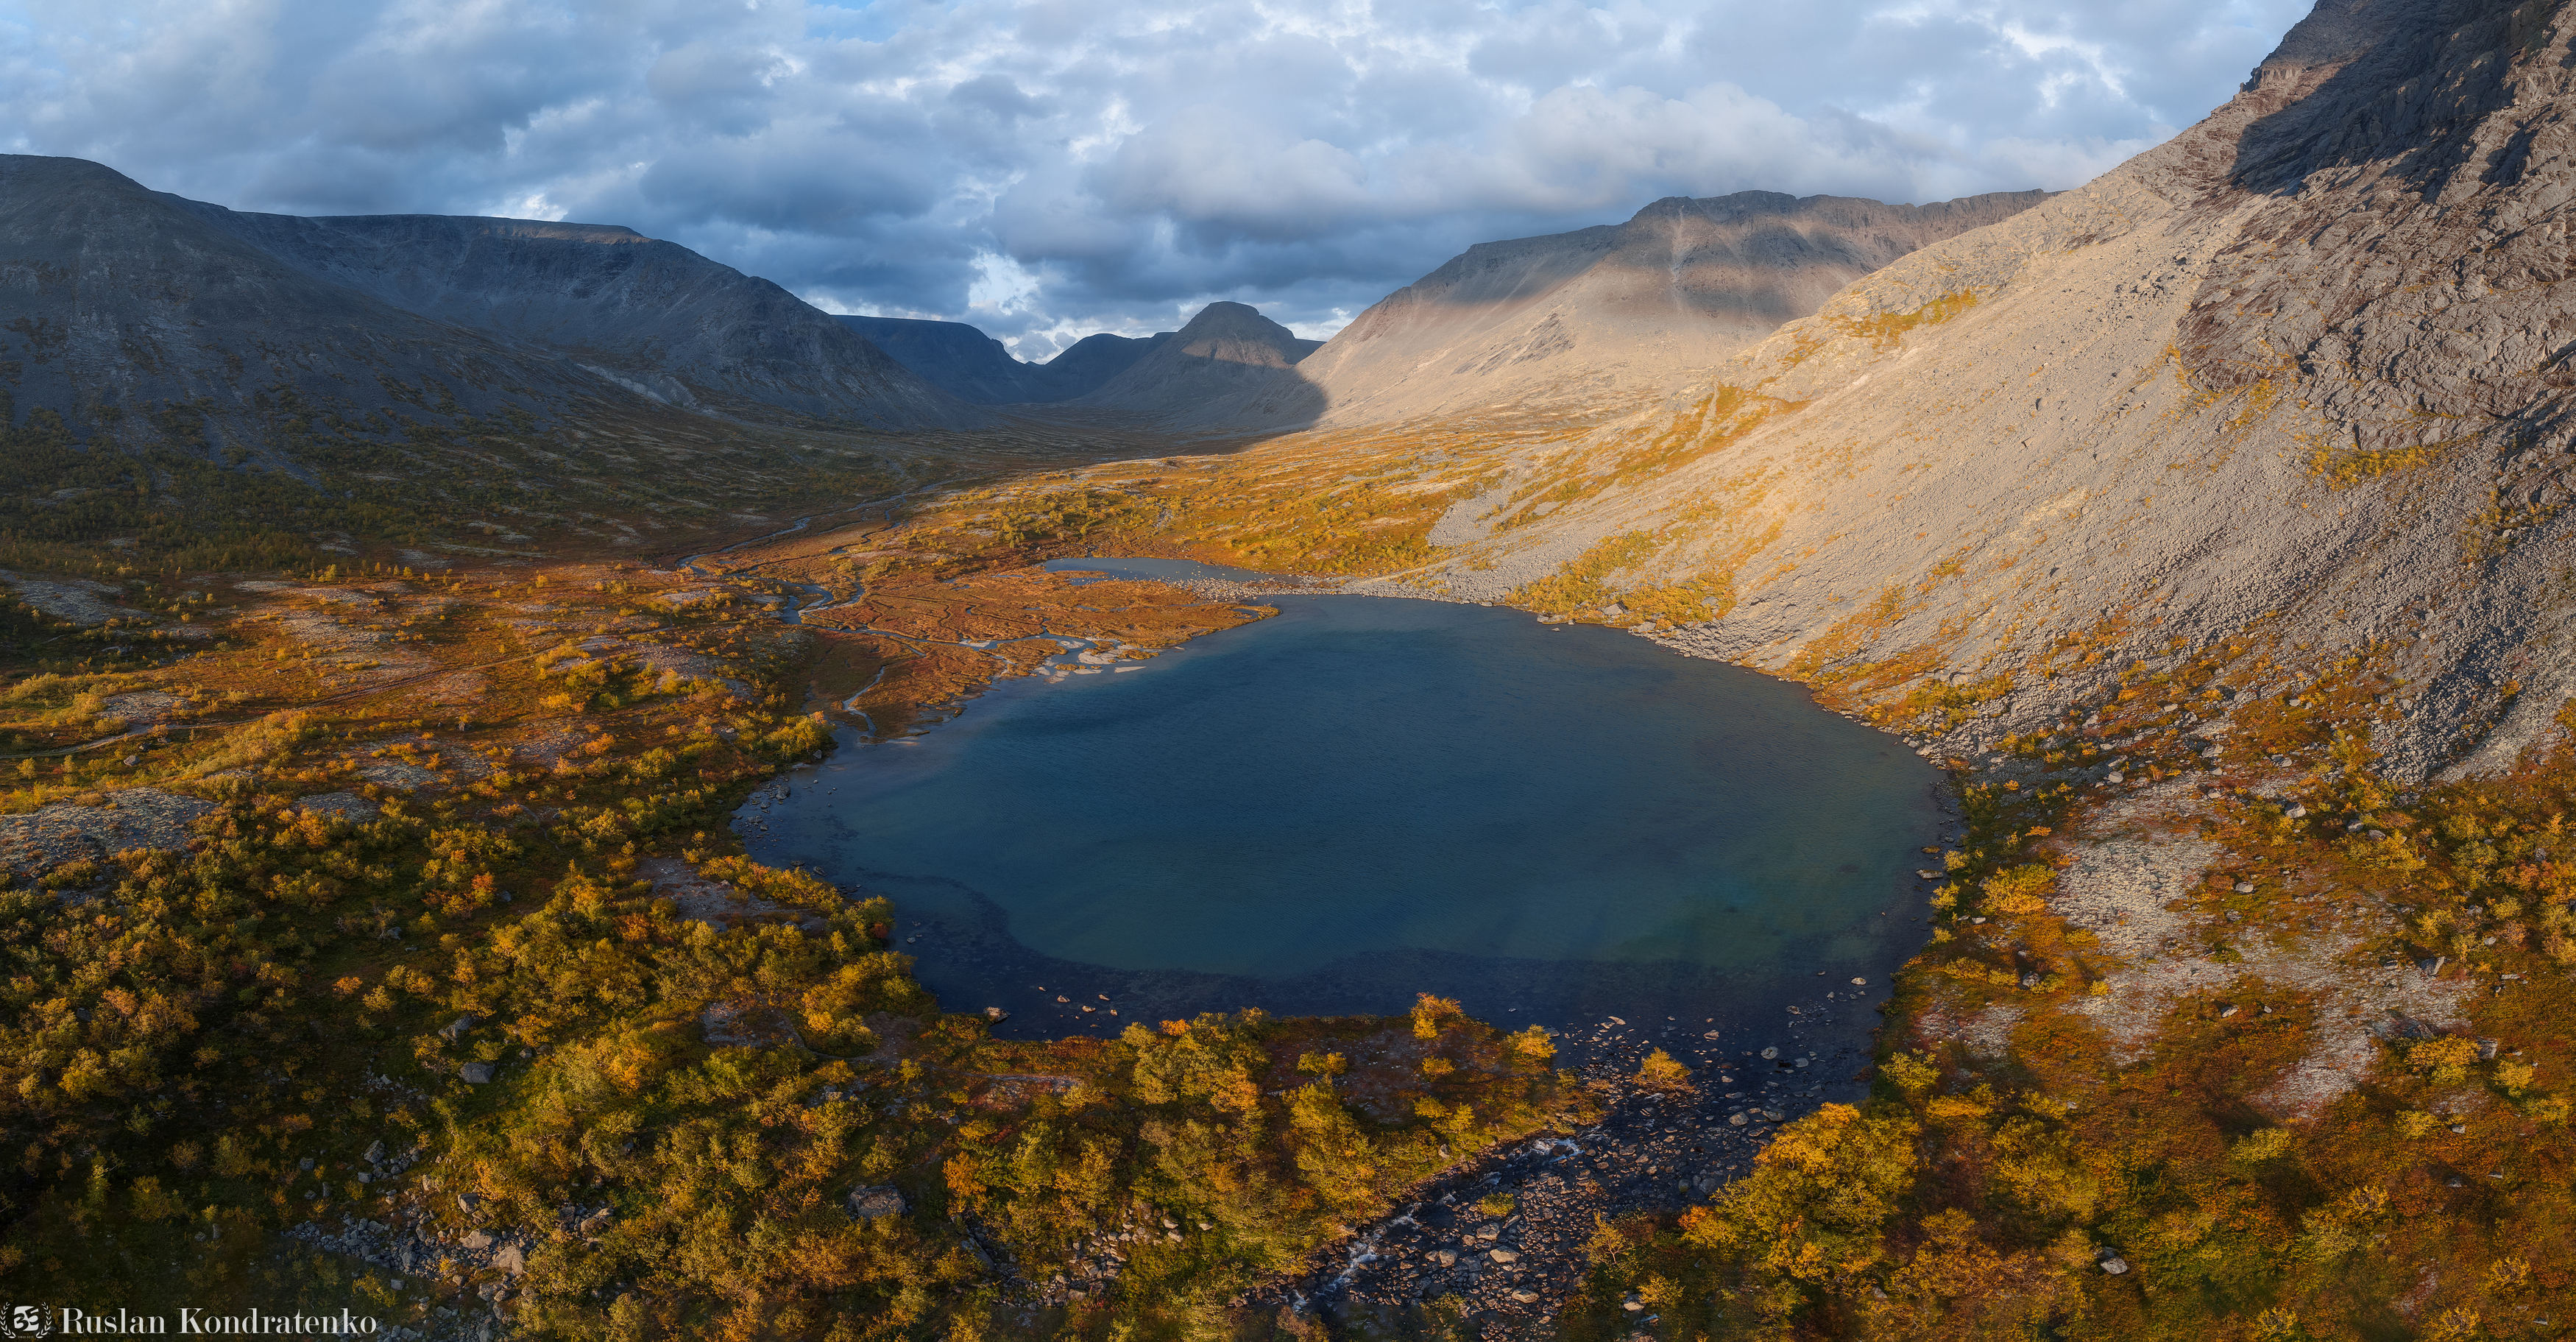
1361,798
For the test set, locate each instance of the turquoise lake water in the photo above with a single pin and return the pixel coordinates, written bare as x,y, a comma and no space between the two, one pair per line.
1361,797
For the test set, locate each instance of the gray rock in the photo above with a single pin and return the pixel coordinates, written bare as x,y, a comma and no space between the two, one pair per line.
451,1032
475,1073
34,843
869,1203
347,806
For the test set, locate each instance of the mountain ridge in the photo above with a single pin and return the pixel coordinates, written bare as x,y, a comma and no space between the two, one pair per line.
961,360
1226,366
137,301
1602,316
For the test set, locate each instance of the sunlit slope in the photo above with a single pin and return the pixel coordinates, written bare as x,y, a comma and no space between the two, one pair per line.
2296,367
1595,319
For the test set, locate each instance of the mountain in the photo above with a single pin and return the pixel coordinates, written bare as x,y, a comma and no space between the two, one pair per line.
2298,377
1089,363
127,303
966,363
1229,366
1603,316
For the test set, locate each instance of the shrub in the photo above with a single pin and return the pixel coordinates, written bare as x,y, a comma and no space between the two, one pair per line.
2020,891
2261,1145
2447,1059
1431,1013
1661,1072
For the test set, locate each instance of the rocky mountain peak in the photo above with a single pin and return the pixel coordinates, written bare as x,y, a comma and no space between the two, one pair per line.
1238,333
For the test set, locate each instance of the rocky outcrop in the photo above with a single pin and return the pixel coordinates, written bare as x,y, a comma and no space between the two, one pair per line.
152,319
2295,375
65,834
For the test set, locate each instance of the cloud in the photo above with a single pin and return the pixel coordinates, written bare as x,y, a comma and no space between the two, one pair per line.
1051,167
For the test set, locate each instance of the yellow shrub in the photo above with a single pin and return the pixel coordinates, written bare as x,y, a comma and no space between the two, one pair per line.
1913,1073
2261,1145
1661,1072
2020,891
2447,1059
1431,1013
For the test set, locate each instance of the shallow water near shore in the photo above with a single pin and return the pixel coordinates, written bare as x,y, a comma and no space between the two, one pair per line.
1327,811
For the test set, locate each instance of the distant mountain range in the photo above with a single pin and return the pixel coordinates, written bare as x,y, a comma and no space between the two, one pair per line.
972,366
1585,321
130,306
124,303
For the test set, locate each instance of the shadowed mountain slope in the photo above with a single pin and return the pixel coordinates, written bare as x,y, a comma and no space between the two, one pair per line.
966,363
1230,365
1092,361
128,303
2299,372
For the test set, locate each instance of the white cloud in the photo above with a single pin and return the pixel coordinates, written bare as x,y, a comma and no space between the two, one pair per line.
1002,286
1049,167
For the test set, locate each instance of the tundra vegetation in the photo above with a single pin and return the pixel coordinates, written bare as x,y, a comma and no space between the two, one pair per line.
455,936
471,822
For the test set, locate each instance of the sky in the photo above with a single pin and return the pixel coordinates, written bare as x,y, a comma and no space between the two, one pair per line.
1045,169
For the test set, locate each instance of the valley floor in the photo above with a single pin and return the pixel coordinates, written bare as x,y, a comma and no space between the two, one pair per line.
378,939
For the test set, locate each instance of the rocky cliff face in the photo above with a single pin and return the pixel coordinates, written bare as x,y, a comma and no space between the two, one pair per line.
2298,376
1603,317
966,363
128,305
1229,366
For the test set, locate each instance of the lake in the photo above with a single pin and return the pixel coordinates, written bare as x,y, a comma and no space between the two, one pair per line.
1326,811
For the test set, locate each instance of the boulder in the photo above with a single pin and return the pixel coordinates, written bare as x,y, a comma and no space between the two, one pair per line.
475,1073
870,1203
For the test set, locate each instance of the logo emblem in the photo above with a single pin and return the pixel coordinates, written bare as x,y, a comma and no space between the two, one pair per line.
30,1321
